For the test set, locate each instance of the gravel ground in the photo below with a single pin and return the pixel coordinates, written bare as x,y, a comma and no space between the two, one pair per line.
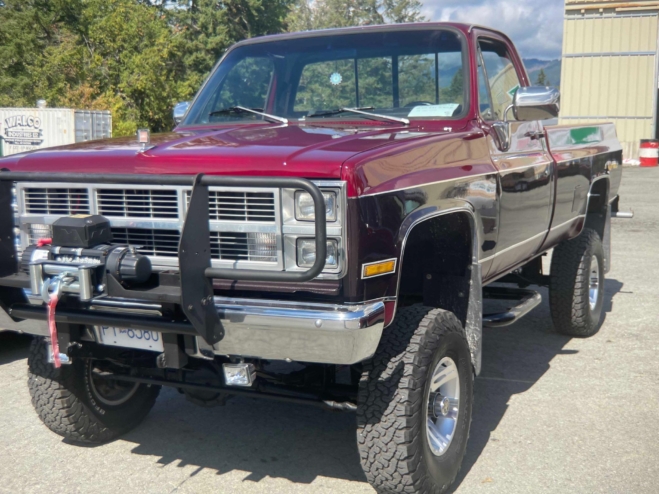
552,414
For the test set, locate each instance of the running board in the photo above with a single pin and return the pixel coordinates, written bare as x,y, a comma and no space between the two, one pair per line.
526,300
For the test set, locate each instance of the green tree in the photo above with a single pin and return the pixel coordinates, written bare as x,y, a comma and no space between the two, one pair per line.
542,79
100,54
323,14
208,27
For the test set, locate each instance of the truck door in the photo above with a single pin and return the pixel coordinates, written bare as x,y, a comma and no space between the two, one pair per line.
525,168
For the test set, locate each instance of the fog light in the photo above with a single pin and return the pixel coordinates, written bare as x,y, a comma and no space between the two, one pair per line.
239,374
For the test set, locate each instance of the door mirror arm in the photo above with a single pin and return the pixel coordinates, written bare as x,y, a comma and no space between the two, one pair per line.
502,131
502,134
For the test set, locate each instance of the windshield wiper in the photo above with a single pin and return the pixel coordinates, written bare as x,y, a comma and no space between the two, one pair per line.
255,111
360,111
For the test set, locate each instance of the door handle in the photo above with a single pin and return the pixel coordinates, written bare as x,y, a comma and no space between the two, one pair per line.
535,135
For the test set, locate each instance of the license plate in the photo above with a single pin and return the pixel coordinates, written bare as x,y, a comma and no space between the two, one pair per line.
130,338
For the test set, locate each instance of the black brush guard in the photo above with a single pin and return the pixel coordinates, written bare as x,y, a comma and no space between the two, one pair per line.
194,254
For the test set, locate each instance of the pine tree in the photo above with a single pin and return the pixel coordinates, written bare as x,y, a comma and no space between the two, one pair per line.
542,79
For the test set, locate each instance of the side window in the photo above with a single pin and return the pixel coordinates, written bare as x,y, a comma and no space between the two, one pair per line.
246,84
501,75
484,101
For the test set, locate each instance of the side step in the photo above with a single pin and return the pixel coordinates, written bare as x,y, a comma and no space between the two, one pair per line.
526,300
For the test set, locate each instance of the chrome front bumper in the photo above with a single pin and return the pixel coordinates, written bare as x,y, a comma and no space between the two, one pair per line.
322,333
274,330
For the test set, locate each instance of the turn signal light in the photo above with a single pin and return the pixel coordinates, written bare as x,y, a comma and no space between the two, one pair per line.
378,268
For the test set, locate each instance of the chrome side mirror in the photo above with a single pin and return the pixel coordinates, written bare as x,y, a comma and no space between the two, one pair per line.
536,103
179,111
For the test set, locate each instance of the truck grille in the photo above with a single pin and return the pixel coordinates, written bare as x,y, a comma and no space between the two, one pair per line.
245,225
240,206
226,246
138,203
158,243
56,201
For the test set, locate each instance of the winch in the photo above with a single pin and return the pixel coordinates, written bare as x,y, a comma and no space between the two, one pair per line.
81,255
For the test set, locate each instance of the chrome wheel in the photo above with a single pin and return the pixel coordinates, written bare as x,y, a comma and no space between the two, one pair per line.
594,282
108,391
443,406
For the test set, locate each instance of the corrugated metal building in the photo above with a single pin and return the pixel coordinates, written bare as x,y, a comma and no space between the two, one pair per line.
610,67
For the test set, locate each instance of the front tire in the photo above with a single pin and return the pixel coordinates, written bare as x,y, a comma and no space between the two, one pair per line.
78,406
415,403
576,286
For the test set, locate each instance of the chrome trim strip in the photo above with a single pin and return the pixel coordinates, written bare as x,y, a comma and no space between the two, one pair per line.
505,171
338,316
514,246
426,184
580,216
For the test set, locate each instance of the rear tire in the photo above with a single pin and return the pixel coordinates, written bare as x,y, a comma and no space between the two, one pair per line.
412,432
576,286
79,407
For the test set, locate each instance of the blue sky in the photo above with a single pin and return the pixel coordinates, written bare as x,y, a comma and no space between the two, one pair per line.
535,26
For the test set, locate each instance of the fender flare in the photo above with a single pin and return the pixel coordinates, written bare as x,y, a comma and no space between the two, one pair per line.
474,322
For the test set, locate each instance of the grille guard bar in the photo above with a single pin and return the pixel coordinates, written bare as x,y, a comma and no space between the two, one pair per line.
194,252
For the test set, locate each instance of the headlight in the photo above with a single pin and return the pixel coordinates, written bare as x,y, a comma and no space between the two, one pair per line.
306,253
304,206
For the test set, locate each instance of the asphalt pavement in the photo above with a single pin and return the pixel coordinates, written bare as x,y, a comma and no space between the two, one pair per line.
552,414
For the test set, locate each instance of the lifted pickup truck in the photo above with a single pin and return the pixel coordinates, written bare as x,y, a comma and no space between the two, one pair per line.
321,227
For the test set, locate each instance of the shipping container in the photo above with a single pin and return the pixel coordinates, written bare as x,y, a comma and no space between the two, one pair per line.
27,129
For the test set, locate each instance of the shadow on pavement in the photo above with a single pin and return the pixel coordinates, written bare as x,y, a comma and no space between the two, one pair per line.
514,359
13,346
260,438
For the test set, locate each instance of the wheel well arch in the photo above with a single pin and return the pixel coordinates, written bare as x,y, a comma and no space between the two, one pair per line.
436,261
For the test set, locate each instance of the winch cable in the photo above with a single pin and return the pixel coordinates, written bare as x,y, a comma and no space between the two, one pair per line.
51,299
52,328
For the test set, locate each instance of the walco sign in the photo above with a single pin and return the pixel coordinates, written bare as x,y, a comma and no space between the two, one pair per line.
23,130
27,129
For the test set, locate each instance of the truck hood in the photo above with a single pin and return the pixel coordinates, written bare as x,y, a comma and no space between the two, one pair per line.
311,151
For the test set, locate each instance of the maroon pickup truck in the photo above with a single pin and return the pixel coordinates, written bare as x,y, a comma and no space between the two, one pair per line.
321,227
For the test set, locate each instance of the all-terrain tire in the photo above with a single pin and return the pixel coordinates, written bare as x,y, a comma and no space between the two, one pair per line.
570,284
70,405
393,403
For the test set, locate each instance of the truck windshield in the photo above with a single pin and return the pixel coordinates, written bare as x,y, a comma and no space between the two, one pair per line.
413,74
